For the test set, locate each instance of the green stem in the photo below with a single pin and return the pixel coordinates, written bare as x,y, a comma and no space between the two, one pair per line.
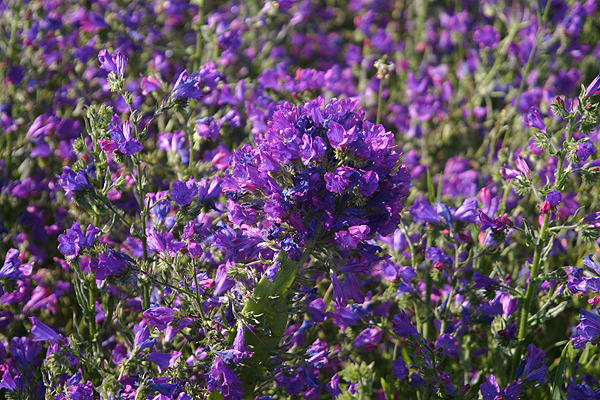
199,38
268,305
379,102
541,243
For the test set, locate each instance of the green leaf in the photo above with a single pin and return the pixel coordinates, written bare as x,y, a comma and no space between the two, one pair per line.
558,377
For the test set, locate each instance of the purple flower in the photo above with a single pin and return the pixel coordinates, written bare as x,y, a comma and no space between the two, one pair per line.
553,197
486,37
183,192
73,182
42,332
399,369
159,317
482,281
207,128
238,351
317,353
490,390
73,240
163,360
422,211
448,345
121,138
467,211
404,329
534,366
352,237
497,223
368,183
523,167
438,256
585,150
339,137
7,381
163,243
333,387
588,329
142,338
192,86
588,261
13,267
534,119
368,336
593,88
114,64
107,265
223,379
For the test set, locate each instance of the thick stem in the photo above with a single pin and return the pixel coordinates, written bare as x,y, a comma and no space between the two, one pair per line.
268,304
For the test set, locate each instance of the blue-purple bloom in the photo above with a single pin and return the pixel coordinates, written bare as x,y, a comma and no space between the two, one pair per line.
404,328
115,64
197,84
13,267
593,88
490,390
422,211
554,197
482,281
534,367
121,138
221,377
399,369
73,240
584,150
163,360
368,336
7,381
72,182
588,330
238,350
183,193
534,119
142,338
109,264
317,354
42,332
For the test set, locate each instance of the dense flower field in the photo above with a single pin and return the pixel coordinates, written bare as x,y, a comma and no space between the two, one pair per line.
299,199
